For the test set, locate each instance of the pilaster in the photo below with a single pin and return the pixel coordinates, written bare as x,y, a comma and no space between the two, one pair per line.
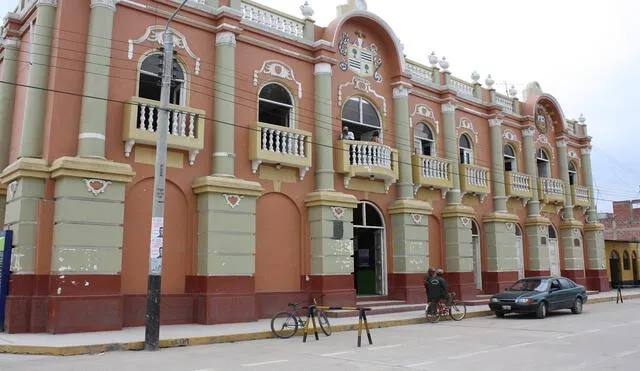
451,150
458,250
224,105
331,226
537,231
502,258
497,166
563,161
591,216
596,272
323,128
533,206
37,80
93,117
572,250
225,269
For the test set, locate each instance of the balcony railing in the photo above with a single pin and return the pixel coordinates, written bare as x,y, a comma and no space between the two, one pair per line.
431,171
474,179
580,196
551,190
420,73
186,126
367,160
272,21
279,145
505,102
518,184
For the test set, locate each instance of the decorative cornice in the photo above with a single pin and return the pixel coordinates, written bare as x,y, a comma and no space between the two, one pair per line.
155,34
53,3
363,85
277,69
322,69
109,4
226,38
448,108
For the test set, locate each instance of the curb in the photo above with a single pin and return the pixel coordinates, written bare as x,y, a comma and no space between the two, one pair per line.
231,338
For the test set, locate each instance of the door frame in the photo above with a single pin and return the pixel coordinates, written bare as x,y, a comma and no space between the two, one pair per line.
380,252
477,254
556,256
520,250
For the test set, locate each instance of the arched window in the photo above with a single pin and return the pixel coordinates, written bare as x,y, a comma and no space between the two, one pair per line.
626,261
423,140
542,160
475,230
518,231
573,174
361,117
150,83
552,232
509,154
275,105
466,152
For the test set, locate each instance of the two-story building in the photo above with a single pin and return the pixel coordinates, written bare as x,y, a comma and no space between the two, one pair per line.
267,201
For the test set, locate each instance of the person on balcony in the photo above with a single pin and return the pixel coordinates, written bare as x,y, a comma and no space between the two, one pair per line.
376,137
347,134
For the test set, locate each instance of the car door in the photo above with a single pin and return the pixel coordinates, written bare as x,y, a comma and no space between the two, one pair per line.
555,298
568,291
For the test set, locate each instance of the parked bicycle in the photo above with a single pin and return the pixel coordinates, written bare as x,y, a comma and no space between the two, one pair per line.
457,310
285,324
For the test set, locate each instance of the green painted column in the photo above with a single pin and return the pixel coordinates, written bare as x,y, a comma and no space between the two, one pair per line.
323,128
224,106
93,118
497,166
563,160
403,140
588,181
38,80
410,236
533,206
451,150
593,231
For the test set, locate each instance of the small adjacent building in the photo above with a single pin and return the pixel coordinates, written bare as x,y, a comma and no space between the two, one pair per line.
267,201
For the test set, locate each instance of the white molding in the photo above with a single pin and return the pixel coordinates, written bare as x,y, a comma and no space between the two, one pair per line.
11,42
226,38
585,151
466,124
91,136
511,136
528,132
401,92
363,85
53,3
96,186
448,108
426,112
155,34
495,122
109,4
322,69
277,69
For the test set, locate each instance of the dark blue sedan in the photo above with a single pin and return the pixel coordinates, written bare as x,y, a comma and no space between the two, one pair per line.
539,295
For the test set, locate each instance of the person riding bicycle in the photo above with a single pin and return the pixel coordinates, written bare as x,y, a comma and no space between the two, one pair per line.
443,285
433,286
431,272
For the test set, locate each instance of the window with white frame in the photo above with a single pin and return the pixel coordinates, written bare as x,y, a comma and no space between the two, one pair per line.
150,83
275,105
542,160
423,140
573,174
362,118
509,154
466,152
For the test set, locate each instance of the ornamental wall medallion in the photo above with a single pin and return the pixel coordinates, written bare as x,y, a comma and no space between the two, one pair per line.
510,136
155,34
277,69
424,111
466,221
233,200
467,125
338,212
11,190
417,218
96,186
509,226
358,58
542,119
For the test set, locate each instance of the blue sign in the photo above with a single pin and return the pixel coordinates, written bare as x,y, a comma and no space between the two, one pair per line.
5,266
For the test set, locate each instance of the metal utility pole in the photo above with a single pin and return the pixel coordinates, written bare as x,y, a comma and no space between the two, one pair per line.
152,318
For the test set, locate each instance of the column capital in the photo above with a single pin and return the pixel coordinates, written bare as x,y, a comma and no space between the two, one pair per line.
322,69
561,143
401,91
226,38
495,122
53,3
528,132
109,4
585,151
11,42
448,107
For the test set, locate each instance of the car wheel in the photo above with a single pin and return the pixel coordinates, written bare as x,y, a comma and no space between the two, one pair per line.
577,306
500,314
541,311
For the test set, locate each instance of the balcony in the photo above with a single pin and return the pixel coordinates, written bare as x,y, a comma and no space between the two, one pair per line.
186,126
367,160
551,190
432,172
518,185
279,145
580,196
474,179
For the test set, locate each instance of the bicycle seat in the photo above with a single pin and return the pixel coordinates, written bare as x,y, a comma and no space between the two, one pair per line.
293,304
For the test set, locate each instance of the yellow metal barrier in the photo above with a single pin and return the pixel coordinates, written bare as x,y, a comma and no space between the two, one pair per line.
362,320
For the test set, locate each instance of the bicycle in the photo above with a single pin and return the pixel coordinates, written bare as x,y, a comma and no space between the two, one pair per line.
457,310
285,324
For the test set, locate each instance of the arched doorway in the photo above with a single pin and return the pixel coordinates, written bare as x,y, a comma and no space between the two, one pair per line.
634,264
614,268
477,256
519,252
370,253
554,253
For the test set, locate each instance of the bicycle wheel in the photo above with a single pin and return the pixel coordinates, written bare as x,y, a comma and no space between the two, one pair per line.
457,311
324,322
432,312
284,325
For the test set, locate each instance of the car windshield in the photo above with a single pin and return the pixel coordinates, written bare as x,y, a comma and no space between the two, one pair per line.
529,285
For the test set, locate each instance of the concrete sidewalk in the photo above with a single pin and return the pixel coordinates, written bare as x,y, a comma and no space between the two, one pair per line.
132,338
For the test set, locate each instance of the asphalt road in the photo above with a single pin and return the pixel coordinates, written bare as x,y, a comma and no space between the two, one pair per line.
605,336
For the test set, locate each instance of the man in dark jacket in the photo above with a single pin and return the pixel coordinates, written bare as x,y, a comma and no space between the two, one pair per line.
433,286
443,285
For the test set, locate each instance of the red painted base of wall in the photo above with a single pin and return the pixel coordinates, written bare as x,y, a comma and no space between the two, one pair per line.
494,282
536,273
576,275
270,303
174,309
597,280
462,283
336,291
222,299
408,287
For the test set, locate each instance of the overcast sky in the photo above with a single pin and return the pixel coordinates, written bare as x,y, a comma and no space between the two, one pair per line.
586,53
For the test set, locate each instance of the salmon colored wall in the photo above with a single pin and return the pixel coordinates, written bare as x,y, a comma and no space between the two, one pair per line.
435,242
278,244
21,96
178,253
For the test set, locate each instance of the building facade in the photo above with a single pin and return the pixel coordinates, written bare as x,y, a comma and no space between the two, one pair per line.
267,201
624,222
622,267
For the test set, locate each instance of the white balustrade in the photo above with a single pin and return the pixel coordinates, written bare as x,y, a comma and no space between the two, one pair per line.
582,194
477,176
282,142
552,186
181,123
461,87
370,154
434,168
504,102
520,182
272,21
420,74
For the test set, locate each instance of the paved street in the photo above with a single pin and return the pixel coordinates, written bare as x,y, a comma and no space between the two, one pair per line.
605,337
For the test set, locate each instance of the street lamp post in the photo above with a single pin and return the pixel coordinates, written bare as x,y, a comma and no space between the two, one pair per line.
152,318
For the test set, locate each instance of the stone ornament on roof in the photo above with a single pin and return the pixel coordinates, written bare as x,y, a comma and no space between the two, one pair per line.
356,56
